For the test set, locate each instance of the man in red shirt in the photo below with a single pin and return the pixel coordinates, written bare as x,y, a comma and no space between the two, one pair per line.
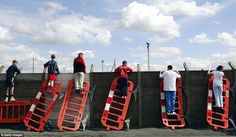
79,71
123,71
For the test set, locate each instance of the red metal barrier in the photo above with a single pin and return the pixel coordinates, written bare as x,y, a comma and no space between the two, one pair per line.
116,108
41,107
72,109
13,112
176,120
218,117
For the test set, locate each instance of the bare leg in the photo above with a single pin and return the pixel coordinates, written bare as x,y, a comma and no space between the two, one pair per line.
12,91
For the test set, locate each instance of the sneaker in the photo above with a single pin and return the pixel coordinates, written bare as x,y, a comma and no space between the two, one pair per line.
12,99
123,97
6,99
168,113
173,113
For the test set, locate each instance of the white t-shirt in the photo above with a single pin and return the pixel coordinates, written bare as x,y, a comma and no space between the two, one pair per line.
218,76
169,77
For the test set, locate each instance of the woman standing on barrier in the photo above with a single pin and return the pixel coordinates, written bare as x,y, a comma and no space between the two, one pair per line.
218,85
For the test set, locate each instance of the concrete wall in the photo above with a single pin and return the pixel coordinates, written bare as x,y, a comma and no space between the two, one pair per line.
145,112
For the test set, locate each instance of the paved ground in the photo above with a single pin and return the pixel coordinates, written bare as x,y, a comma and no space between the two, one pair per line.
144,132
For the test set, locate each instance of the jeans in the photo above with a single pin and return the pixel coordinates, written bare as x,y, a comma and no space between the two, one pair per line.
217,89
170,101
79,80
123,86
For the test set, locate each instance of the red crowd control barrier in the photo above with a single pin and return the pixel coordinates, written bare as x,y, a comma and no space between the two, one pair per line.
13,112
41,107
175,120
218,117
72,108
116,107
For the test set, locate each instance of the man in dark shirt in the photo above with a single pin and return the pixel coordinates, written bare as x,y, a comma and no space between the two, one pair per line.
79,71
11,73
53,70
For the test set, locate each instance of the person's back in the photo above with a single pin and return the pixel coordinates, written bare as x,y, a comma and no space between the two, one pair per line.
218,77
170,77
52,67
11,71
123,71
79,65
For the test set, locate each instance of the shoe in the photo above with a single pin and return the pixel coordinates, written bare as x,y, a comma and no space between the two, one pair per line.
77,91
6,99
49,92
12,99
173,113
168,113
123,97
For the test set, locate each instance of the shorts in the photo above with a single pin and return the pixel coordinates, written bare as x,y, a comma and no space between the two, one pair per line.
10,82
52,77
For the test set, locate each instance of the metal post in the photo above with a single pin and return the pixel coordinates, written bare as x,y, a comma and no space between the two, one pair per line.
33,65
148,45
102,64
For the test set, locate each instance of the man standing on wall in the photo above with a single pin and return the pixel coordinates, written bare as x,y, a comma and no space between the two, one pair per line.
53,70
169,79
11,73
79,71
123,71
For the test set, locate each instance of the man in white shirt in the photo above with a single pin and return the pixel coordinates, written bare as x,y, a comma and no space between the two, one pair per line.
169,79
218,85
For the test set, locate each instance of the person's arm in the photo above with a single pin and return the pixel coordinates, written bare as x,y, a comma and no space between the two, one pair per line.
130,69
209,72
57,69
178,74
17,70
161,74
84,66
46,64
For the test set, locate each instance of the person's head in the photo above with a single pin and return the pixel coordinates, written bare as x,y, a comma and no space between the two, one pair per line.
124,62
14,62
53,56
81,55
169,67
220,68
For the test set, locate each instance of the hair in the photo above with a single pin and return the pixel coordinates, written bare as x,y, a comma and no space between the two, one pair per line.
220,68
14,61
169,67
53,56
80,54
124,62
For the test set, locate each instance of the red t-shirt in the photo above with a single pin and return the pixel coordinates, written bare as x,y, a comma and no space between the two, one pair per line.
123,71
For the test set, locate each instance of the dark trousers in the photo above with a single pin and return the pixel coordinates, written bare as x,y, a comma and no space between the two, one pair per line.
123,86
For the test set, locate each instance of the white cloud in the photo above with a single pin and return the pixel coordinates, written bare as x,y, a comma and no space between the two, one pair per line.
159,39
66,29
5,34
186,7
72,29
55,5
227,38
147,18
87,53
201,38
23,54
127,39
155,52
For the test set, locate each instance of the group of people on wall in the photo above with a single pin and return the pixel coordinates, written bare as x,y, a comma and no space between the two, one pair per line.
169,77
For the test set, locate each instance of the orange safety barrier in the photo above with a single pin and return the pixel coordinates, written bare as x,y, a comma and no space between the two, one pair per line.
218,117
41,107
116,108
72,108
176,120
13,112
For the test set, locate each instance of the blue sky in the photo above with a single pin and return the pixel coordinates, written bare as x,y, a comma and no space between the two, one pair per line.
201,33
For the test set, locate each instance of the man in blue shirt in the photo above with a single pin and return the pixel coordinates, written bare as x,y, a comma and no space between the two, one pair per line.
11,73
